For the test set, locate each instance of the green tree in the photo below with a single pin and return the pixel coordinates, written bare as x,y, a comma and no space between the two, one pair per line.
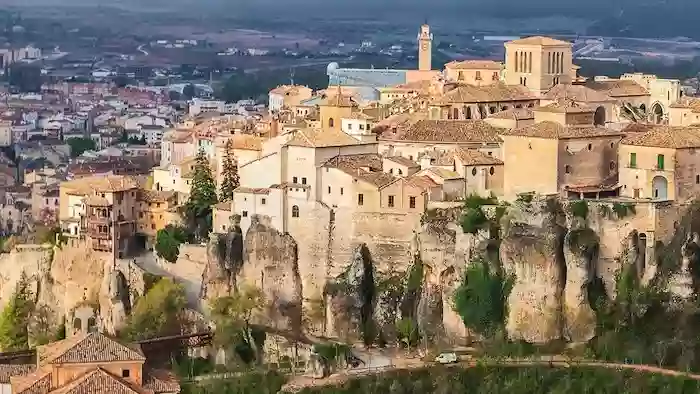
168,241
14,321
229,172
158,313
481,299
80,145
198,208
232,316
407,332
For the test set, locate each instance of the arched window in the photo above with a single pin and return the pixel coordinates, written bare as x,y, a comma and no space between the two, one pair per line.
517,63
460,77
455,113
474,171
92,324
567,169
295,211
77,324
529,63
331,123
400,172
492,171
468,112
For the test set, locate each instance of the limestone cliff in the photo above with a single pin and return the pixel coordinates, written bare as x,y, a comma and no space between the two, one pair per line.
270,262
580,255
531,250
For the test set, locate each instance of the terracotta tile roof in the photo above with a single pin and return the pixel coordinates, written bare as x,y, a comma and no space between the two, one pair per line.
99,381
359,115
538,40
37,382
252,190
554,130
155,196
444,173
514,113
422,181
692,103
103,184
404,161
288,90
160,381
441,158
9,370
674,137
496,92
289,185
618,87
316,138
401,120
247,142
446,131
474,65
565,106
473,157
178,135
365,167
97,201
87,348
577,93
334,99
415,85
634,128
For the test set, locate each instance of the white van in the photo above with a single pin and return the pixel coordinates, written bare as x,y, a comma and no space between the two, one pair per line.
446,358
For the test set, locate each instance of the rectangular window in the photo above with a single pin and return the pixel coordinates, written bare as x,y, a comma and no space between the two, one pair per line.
295,180
245,214
660,162
478,76
360,199
362,127
303,181
391,201
341,191
411,202
633,160
329,190
262,201
349,126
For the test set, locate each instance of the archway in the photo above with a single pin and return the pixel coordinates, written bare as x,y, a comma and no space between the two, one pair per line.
599,116
659,187
657,113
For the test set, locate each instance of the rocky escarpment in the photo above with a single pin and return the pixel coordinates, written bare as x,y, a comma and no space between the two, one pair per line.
580,255
531,252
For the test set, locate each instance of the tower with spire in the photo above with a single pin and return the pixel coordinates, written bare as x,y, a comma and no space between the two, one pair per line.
425,47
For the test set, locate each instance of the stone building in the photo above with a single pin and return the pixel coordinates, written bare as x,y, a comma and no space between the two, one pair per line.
563,149
474,72
661,164
538,63
466,101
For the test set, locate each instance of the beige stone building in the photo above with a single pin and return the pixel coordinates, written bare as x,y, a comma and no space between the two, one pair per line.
684,112
512,118
287,96
90,363
662,94
563,150
538,63
661,164
474,72
102,210
464,102
413,140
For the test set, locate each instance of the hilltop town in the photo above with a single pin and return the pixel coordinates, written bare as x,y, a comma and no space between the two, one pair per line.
353,220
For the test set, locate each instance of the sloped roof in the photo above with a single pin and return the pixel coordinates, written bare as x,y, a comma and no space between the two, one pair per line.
160,381
316,138
498,91
87,348
474,65
473,157
99,381
618,87
357,165
447,131
674,137
576,92
554,130
565,106
9,370
539,40
692,103
104,184
37,382
514,113
404,161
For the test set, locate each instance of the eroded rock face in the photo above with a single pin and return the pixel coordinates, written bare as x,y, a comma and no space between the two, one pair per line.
531,251
681,282
270,263
580,254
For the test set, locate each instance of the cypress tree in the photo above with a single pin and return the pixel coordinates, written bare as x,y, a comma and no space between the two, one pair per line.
202,197
229,172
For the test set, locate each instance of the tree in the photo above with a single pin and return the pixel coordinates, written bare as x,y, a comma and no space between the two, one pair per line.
229,173
198,208
174,95
158,313
407,331
482,297
189,91
232,316
79,145
168,241
14,334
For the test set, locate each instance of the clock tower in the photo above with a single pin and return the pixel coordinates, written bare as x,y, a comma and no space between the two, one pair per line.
425,47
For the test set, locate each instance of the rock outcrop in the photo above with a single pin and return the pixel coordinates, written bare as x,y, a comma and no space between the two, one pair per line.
580,254
531,250
270,263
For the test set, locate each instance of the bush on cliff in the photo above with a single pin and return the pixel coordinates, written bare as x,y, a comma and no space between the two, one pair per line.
14,321
481,300
158,313
168,241
473,217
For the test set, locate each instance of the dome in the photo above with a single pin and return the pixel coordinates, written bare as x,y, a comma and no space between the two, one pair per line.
332,67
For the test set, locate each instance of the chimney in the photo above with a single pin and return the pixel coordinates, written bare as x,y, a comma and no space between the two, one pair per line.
274,127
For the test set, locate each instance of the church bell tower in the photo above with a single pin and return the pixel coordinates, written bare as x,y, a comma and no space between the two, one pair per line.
425,47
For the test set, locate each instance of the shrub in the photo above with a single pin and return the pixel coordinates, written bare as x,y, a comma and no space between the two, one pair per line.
579,208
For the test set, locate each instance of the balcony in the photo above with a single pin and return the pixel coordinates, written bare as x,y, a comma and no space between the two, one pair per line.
94,233
99,219
102,246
